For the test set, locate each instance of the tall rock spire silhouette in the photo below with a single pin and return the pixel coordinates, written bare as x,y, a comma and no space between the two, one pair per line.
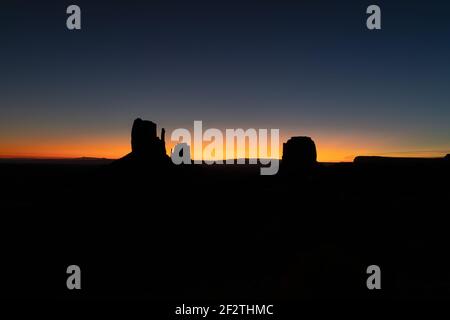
146,147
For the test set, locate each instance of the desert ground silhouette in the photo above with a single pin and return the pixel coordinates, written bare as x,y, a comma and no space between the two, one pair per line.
141,227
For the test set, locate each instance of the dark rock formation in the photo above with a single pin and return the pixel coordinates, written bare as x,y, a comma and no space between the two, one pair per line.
144,141
146,147
299,153
143,136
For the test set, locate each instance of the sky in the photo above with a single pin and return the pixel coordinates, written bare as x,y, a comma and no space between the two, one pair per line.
309,68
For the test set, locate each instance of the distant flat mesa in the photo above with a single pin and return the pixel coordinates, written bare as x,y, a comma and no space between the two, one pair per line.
378,160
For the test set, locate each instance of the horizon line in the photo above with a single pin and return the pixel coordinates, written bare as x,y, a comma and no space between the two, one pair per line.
88,158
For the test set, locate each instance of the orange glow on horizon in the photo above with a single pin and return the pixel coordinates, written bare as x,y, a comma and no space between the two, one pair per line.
340,149
96,148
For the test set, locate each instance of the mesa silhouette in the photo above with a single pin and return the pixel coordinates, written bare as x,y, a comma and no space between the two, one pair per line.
299,153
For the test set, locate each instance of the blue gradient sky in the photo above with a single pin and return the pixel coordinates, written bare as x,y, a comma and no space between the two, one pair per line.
306,67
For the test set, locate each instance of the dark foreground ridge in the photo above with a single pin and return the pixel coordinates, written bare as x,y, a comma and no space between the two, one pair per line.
225,232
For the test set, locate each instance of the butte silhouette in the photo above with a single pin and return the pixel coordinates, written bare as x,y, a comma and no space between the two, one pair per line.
146,148
299,155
